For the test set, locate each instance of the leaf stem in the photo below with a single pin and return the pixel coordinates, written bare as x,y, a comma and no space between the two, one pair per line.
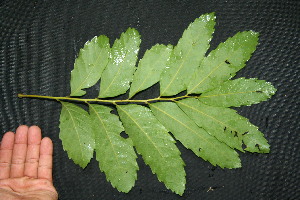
146,101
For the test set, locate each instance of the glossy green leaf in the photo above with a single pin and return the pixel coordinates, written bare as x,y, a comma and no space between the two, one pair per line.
226,125
119,71
76,133
116,156
154,143
89,65
187,55
193,137
238,92
150,68
223,63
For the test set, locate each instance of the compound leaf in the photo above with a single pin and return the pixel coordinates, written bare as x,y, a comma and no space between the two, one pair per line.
150,68
187,55
238,92
222,63
193,137
226,125
76,133
116,156
154,143
89,65
119,71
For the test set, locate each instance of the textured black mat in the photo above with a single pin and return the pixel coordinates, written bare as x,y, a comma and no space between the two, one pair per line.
40,40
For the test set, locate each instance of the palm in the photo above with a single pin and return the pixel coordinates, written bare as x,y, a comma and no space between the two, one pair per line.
26,166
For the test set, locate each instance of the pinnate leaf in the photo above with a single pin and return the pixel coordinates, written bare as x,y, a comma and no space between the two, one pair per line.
150,68
76,133
226,125
119,71
187,55
89,65
154,143
193,137
201,122
238,92
115,154
222,63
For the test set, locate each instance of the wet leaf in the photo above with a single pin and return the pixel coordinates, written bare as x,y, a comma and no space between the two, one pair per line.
119,71
238,92
89,65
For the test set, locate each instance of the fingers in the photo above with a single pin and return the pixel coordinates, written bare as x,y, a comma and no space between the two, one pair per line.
33,152
6,150
19,152
26,154
45,162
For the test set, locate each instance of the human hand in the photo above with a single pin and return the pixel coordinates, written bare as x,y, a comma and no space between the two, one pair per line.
26,166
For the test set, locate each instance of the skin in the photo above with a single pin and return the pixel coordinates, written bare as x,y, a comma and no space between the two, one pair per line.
26,165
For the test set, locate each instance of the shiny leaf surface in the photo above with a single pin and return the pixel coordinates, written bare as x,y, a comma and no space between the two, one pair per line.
89,65
238,92
119,71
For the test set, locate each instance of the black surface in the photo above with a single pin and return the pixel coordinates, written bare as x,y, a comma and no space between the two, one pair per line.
40,40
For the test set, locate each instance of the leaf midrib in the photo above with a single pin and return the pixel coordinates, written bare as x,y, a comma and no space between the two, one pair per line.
224,94
90,72
77,134
214,69
116,75
149,75
107,136
199,135
161,155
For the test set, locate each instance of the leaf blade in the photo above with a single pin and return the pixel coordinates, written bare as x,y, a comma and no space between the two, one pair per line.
89,65
194,137
75,134
156,146
187,55
115,154
222,63
119,71
238,92
150,68
226,125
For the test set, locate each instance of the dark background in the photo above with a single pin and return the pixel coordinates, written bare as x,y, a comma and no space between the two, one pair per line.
40,40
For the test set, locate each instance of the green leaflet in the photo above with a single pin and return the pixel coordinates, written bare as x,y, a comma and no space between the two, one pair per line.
238,92
76,133
115,154
193,137
201,122
119,71
153,142
226,125
222,63
150,68
89,65
187,55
